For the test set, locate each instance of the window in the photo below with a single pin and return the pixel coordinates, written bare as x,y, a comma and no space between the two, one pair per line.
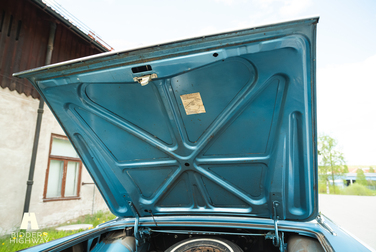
63,176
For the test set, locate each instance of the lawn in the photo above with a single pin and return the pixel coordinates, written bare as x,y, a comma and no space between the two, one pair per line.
21,239
354,189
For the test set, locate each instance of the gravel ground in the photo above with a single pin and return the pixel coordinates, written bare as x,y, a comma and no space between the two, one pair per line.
356,214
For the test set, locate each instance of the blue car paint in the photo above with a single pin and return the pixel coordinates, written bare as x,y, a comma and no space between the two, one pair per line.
252,149
342,241
254,145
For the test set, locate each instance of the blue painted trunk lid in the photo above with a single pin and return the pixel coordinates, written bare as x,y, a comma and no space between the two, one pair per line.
226,125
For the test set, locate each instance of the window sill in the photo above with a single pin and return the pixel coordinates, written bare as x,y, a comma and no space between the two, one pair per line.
61,199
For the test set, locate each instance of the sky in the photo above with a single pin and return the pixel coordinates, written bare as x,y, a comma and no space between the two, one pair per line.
346,48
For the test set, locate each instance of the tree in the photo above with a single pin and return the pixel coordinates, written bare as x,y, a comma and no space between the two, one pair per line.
332,161
371,170
360,177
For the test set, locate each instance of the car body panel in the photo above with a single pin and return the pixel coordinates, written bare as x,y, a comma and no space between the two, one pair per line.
225,126
342,241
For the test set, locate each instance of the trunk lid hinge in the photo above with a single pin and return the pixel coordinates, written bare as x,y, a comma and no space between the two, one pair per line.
141,235
320,220
137,234
276,237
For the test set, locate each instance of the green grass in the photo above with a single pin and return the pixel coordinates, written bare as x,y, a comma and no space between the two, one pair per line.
50,233
357,189
354,189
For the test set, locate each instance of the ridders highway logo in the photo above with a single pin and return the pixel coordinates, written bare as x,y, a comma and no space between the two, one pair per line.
29,237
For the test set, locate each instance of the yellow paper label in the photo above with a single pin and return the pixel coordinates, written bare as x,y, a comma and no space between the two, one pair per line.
193,103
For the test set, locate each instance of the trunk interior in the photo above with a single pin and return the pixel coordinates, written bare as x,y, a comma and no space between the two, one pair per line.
197,240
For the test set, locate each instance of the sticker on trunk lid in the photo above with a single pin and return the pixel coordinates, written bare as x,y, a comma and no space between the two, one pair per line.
193,103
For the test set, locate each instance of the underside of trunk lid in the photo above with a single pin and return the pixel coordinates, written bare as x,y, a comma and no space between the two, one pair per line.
217,125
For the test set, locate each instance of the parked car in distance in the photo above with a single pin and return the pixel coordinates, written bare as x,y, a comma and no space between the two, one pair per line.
204,144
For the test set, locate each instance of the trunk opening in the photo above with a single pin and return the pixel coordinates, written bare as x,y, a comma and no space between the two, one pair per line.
189,239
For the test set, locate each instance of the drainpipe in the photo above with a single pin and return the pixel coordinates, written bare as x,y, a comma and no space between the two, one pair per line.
30,180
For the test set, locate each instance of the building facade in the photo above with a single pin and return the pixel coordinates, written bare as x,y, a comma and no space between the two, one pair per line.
31,35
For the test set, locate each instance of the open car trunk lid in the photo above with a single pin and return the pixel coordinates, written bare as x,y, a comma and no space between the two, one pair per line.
216,125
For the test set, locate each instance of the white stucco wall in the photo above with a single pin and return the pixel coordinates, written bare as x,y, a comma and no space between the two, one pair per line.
17,126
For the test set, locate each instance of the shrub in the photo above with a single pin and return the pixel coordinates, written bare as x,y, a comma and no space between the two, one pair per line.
357,189
322,186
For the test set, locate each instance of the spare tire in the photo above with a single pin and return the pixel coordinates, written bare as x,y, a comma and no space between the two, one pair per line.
204,245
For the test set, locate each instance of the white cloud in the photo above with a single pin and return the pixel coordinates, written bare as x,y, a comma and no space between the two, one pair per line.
230,2
285,8
208,30
294,7
347,108
122,44
271,11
